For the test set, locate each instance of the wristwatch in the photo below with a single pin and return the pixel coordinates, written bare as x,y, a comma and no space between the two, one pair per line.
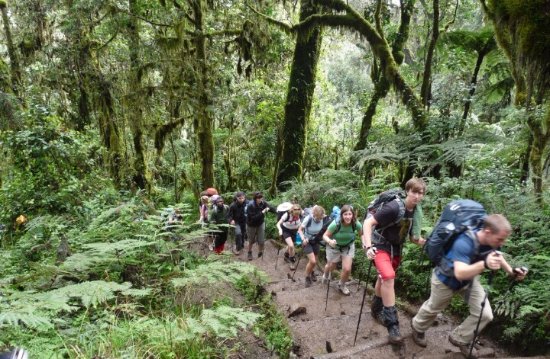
366,247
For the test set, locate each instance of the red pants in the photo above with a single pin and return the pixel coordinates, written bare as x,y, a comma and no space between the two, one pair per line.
385,265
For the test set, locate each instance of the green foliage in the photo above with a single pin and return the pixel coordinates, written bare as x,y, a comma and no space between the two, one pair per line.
272,325
213,271
48,167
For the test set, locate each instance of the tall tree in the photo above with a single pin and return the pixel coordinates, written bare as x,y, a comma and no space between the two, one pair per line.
301,87
522,30
381,83
204,117
135,96
12,53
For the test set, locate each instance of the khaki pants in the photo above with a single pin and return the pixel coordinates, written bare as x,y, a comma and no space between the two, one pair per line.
441,296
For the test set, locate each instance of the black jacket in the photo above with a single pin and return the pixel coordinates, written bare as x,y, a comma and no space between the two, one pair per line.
254,215
236,212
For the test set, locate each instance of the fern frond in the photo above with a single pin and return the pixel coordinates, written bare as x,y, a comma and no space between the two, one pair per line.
100,254
215,271
29,319
224,320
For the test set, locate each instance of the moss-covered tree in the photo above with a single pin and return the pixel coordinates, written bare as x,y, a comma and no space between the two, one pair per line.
301,86
15,69
522,29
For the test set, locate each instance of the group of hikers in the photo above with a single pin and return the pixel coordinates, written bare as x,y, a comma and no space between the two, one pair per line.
389,222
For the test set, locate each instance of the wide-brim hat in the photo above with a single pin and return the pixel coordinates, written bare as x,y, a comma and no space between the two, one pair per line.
283,207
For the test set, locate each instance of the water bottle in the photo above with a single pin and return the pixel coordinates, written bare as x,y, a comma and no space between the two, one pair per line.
298,239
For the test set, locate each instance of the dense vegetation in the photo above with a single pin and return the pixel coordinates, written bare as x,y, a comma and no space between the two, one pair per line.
114,112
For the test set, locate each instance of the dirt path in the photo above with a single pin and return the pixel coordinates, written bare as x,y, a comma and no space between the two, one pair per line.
316,329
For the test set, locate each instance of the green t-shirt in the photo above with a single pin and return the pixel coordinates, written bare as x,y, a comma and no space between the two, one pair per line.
345,235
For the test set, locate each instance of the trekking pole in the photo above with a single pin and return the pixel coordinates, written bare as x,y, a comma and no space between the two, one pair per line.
476,331
362,302
328,286
296,268
277,258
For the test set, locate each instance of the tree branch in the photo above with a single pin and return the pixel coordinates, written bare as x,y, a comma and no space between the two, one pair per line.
283,26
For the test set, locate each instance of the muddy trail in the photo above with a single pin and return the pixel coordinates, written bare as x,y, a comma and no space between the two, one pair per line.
330,333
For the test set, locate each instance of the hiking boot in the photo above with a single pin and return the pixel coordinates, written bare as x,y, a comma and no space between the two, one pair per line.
292,263
250,256
391,322
308,281
343,288
376,309
325,279
260,254
313,277
418,337
395,335
476,353
287,257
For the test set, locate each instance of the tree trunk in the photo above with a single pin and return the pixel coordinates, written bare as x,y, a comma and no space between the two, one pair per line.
15,70
427,77
299,98
135,98
516,32
455,170
204,119
382,86
381,89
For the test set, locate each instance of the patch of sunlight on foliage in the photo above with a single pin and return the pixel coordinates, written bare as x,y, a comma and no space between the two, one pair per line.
214,271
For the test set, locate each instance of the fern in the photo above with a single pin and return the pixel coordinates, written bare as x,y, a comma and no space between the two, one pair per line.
214,271
224,320
30,319
100,254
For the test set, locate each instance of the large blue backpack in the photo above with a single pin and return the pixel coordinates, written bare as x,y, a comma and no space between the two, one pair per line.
458,216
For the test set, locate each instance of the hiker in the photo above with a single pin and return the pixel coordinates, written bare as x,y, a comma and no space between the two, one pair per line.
311,231
458,272
385,232
204,205
219,215
340,238
237,218
255,222
288,226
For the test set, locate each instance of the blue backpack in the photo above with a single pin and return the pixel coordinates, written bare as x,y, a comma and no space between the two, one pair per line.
458,217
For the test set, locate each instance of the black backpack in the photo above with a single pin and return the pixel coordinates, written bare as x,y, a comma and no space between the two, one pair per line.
457,217
394,194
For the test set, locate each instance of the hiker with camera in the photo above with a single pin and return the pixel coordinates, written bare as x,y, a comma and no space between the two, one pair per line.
340,240
388,224
311,232
458,271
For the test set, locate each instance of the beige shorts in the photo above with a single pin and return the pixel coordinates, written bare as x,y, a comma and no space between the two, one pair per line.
334,255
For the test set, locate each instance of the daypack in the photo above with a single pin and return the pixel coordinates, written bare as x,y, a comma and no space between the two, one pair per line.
457,217
394,194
